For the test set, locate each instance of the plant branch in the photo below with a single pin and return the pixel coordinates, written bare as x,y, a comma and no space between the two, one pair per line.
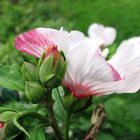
96,120
49,106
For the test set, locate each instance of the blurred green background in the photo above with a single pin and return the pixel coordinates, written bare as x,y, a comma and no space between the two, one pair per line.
16,16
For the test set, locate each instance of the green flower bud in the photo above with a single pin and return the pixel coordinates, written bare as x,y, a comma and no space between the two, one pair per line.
52,71
34,91
28,72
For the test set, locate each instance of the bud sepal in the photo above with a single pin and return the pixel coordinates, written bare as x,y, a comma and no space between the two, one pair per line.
29,72
34,91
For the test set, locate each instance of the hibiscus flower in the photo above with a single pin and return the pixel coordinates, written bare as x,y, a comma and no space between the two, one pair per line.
88,73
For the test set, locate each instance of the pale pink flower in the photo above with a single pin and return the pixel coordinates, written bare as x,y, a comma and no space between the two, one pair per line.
88,73
108,34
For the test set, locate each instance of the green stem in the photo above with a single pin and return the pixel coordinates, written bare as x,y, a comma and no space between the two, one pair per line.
51,115
67,125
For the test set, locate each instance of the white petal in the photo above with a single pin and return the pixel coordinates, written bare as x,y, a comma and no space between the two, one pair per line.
69,40
87,67
108,34
127,62
130,84
126,54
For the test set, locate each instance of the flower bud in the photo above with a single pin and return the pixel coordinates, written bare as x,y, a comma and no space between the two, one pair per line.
34,92
28,71
52,69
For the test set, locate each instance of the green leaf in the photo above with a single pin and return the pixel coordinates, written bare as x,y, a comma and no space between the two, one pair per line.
8,134
58,105
37,134
2,109
7,115
105,136
19,126
10,77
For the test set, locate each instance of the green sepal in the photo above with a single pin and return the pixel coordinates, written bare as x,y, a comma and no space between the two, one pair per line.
48,77
63,70
82,104
46,68
60,68
41,59
73,104
69,100
54,82
28,72
34,91
63,55
39,64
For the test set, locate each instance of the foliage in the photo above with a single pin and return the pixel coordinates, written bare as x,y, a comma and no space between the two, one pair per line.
16,16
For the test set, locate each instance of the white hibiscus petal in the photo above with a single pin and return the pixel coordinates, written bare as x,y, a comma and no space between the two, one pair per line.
126,54
130,84
87,67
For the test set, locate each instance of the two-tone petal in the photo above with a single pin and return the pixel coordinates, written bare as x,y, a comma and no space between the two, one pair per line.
37,41
127,62
87,68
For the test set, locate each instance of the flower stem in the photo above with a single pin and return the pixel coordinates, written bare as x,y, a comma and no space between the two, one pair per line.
49,106
67,125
